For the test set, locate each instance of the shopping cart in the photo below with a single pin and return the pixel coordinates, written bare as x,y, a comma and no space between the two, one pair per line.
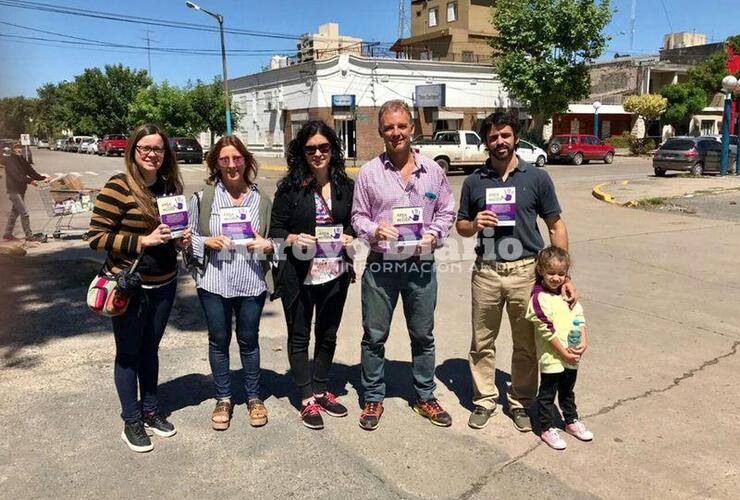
62,205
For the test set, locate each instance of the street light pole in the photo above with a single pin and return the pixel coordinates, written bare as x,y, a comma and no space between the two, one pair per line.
728,84
737,129
227,100
596,105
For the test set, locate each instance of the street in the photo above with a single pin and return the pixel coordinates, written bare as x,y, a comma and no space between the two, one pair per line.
658,385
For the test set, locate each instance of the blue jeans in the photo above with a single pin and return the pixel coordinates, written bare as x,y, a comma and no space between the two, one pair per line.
219,312
138,332
382,282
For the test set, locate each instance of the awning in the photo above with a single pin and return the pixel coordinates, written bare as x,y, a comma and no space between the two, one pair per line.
447,115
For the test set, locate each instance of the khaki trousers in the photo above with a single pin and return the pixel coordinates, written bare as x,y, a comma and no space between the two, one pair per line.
496,285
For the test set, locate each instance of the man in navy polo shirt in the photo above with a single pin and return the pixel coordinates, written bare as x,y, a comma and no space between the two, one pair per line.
500,202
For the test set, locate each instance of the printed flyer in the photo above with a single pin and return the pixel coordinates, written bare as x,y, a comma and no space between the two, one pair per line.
502,202
329,244
236,224
410,225
173,211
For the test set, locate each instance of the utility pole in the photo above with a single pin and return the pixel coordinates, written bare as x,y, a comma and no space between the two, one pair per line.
148,51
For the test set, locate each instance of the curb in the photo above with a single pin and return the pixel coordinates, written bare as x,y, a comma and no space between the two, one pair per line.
599,193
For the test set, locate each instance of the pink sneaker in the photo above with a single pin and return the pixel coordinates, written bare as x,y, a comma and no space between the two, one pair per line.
578,430
552,438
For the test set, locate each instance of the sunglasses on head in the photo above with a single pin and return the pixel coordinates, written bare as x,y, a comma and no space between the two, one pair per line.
224,161
322,148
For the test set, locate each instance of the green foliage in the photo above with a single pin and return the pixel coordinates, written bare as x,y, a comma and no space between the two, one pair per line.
640,146
621,141
708,75
684,100
166,105
207,101
649,106
15,115
543,50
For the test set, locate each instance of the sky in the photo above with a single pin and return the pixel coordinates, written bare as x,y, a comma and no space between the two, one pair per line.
29,63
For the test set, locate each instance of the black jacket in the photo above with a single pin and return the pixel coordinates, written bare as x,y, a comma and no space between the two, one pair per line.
18,174
294,212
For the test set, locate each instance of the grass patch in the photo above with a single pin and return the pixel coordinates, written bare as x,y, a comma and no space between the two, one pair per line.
651,202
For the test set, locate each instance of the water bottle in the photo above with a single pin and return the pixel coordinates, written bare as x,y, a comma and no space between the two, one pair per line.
574,336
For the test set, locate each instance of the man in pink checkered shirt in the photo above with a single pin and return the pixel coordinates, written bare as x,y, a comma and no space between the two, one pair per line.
400,179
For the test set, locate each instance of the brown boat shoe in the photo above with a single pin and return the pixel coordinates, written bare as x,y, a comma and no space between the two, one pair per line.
221,416
257,412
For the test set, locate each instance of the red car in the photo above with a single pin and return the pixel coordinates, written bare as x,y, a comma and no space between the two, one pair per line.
578,149
112,144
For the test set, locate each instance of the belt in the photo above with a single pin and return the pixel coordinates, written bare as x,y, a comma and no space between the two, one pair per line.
503,265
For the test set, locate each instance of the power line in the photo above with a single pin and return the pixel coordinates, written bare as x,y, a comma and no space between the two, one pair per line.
102,43
202,52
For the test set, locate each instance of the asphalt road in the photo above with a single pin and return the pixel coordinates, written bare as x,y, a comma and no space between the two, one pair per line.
658,385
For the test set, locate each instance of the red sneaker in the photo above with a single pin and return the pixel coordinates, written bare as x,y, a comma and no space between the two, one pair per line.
432,410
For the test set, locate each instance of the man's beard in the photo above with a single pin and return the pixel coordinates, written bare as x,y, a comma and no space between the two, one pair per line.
501,155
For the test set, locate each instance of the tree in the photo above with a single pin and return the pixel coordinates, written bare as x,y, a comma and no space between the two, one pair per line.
708,75
15,115
99,101
207,102
648,106
168,106
684,100
543,50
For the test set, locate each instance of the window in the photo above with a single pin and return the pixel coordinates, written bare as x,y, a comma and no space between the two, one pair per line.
707,127
451,12
468,56
433,17
471,139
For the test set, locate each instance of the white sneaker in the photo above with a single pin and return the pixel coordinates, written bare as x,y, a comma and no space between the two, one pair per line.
578,430
553,439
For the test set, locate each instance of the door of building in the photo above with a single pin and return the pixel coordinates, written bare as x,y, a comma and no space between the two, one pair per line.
346,131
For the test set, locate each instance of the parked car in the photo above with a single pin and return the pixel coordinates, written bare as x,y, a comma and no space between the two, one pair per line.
531,153
186,149
453,149
112,144
578,149
57,145
685,154
42,144
713,155
86,144
73,143
92,147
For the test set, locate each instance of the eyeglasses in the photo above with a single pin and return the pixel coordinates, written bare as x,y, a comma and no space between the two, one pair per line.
323,148
225,161
146,150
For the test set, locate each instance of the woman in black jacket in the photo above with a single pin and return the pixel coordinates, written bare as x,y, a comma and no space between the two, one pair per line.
311,216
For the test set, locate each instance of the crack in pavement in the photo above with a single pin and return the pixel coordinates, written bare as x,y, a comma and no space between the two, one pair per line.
491,474
662,318
674,384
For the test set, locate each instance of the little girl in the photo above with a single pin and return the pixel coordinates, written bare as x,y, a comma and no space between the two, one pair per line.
553,319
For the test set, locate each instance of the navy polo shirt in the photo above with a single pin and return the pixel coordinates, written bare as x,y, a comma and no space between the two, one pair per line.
535,196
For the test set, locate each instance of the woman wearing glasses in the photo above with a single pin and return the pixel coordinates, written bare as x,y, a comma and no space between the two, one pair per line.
125,223
229,220
311,215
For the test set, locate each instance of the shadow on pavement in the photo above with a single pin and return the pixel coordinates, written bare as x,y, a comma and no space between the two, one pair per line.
195,388
455,375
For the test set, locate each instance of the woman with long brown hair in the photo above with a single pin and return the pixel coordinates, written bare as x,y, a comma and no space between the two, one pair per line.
229,220
126,224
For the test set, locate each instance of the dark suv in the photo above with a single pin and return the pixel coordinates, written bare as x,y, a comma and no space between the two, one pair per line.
578,149
186,149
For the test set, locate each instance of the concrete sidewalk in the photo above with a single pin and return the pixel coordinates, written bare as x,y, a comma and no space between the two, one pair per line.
631,192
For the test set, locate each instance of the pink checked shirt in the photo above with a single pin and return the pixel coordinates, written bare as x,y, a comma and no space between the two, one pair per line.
379,189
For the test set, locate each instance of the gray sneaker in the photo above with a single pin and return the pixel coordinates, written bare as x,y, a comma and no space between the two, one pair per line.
480,416
521,420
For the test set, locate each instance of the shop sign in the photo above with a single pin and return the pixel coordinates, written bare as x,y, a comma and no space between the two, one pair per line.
430,96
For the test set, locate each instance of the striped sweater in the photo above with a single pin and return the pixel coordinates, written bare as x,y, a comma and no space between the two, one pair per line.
116,226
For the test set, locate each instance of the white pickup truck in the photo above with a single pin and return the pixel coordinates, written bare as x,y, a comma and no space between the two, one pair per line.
463,149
